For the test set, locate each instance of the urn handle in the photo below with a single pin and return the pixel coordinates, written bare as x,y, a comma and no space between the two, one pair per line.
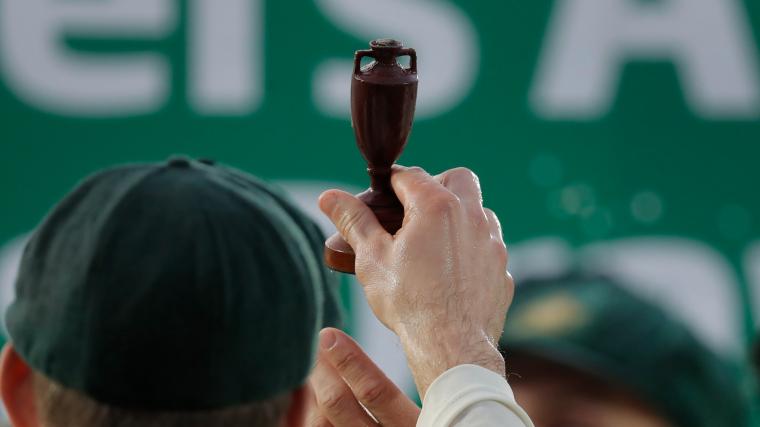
411,53
412,58
358,59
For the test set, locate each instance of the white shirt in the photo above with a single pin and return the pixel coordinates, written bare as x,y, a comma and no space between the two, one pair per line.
471,396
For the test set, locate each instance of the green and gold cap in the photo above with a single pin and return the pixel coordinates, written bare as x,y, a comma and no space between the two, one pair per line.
172,287
594,325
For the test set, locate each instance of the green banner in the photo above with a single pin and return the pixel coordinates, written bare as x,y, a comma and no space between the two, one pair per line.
618,133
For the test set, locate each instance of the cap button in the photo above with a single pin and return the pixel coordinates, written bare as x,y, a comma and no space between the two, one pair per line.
178,162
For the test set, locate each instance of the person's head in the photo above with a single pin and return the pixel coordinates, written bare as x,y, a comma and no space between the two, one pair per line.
177,294
582,351
559,395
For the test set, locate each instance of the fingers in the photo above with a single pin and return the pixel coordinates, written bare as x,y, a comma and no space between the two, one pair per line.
445,193
466,186
494,225
354,220
510,287
369,384
500,249
413,184
335,400
464,183
317,420
342,363
314,417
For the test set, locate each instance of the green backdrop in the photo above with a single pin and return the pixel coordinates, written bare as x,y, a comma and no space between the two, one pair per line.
587,121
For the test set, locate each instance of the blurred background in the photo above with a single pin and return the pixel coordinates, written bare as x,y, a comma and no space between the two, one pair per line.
615,136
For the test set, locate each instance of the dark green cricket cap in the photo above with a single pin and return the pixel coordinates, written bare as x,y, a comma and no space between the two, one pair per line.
594,325
173,287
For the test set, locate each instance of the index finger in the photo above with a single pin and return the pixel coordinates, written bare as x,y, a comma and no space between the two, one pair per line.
335,399
354,220
369,384
413,183
314,417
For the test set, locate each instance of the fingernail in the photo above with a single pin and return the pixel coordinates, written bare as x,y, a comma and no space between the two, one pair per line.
327,339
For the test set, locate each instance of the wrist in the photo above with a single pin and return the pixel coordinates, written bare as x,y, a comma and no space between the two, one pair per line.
431,353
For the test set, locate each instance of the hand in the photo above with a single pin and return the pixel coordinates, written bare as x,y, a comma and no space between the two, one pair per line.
441,283
344,379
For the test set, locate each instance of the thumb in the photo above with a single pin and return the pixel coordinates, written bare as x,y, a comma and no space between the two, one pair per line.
354,220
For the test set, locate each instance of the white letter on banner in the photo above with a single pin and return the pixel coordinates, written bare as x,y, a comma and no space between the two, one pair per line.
752,273
44,73
589,42
226,62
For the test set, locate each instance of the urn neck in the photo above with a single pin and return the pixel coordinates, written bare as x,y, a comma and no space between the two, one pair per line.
380,179
385,51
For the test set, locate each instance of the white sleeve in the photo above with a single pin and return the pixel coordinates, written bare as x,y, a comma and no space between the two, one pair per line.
471,396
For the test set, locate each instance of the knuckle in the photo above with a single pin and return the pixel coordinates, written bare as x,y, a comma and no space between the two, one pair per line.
463,173
500,251
510,285
492,218
479,220
334,401
463,177
349,222
345,362
373,393
319,421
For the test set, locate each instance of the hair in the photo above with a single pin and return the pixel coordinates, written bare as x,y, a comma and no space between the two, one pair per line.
58,406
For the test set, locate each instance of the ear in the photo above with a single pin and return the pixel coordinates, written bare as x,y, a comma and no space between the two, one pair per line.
17,389
298,409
